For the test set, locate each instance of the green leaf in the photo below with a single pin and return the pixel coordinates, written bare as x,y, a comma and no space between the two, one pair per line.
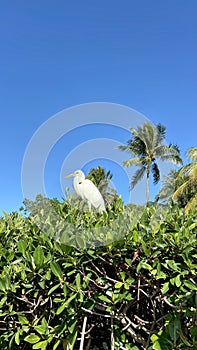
172,265
2,284
192,226
174,328
184,339
56,269
128,261
161,274
48,275
53,289
23,320
145,249
17,338
190,285
193,331
118,285
72,326
143,265
32,338
38,256
78,282
41,329
135,236
57,300
154,338
157,346
42,284
64,305
123,275
65,290
104,298
22,246
165,287
126,286
3,301
130,280
172,281
56,344
41,345
80,297
80,242
61,308
44,322
177,281
73,339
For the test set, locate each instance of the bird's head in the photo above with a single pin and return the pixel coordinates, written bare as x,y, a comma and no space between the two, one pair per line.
76,173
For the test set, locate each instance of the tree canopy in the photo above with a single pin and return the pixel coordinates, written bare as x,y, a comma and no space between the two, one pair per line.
188,176
146,146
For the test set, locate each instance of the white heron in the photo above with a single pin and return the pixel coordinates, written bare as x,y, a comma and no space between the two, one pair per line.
87,190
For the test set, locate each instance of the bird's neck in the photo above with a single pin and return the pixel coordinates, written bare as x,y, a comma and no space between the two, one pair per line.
79,179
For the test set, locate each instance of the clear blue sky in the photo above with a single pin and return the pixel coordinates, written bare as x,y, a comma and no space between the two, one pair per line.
58,54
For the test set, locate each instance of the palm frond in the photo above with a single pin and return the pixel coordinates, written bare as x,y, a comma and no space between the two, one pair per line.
165,193
192,154
192,172
159,134
134,146
169,153
183,171
188,170
133,161
138,176
148,132
159,150
109,175
192,204
136,143
123,148
155,172
180,190
145,135
168,186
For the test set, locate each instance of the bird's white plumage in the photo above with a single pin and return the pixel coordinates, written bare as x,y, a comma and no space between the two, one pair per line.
87,190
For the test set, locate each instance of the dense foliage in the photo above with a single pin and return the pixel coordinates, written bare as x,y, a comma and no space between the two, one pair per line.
180,186
187,189
126,279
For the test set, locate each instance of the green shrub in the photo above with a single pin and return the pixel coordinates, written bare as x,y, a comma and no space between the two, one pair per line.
62,290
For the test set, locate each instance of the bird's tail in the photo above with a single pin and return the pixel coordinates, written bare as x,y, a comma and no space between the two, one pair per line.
101,206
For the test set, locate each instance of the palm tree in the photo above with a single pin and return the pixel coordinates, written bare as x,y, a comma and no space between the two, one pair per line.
99,176
188,189
147,145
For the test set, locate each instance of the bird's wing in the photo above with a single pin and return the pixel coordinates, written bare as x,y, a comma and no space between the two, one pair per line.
92,194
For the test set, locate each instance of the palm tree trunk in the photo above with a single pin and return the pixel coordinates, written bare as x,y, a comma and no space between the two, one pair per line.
147,188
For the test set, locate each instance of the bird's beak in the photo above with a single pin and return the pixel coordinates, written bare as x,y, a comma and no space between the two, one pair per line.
70,175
